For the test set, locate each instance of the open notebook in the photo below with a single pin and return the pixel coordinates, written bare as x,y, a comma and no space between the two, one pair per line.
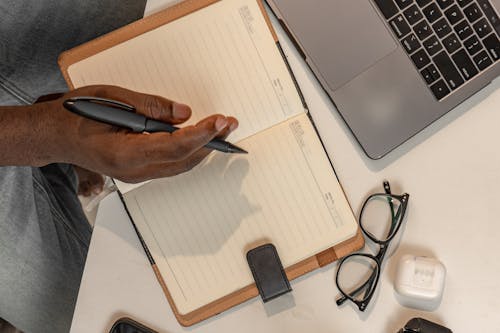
222,57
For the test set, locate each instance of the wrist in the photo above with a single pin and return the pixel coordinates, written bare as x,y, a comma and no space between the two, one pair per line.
55,128
38,135
33,135
19,129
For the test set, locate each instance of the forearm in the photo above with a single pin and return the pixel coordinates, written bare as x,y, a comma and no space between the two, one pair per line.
25,136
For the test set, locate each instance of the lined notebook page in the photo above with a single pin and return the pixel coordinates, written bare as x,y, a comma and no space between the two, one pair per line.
199,225
220,59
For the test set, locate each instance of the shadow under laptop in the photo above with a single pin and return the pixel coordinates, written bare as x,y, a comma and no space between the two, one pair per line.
426,133
319,101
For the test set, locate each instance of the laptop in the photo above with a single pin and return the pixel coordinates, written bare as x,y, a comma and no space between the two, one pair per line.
392,67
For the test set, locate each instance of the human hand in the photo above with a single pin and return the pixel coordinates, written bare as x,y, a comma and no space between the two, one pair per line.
125,155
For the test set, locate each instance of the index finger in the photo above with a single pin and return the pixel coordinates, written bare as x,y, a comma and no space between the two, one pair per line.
179,145
151,106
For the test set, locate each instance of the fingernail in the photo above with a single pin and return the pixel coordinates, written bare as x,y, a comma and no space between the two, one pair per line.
220,123
233,126
180,111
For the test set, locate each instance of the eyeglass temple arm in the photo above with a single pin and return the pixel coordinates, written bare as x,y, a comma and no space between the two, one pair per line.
395,216
387,189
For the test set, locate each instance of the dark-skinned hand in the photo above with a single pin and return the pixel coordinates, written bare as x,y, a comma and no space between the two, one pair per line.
120,153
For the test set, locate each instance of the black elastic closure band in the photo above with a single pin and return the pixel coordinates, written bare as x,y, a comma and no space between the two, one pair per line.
268,272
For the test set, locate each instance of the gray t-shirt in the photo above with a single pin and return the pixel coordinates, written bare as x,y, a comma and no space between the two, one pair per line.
44,235
34,32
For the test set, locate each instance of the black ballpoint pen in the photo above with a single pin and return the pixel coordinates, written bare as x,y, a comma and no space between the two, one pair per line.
112,112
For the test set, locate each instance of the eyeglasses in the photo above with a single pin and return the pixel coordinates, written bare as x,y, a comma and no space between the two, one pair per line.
380,219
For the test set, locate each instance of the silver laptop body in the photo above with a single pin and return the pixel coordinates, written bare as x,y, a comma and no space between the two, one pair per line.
392,67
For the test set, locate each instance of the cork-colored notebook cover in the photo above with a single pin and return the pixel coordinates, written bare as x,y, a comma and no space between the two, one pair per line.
135,29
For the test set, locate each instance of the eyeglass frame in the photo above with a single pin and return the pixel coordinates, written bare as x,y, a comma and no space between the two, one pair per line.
383,246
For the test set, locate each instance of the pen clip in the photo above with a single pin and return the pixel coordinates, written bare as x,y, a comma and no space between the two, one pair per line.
98,100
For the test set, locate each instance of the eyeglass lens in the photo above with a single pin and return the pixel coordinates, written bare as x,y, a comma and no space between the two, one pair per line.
356,276
380,216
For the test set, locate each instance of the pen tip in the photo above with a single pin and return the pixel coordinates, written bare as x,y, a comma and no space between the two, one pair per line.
237,150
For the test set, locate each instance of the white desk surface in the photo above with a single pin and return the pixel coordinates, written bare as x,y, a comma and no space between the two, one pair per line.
452,172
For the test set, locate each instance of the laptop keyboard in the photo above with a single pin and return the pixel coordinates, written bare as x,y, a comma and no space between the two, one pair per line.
449,41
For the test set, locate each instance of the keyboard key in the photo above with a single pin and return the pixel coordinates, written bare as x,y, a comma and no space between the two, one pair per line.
432,45
441,27
490,14
444,3
430,74
427,76
482,27
464,64
473,45
422,30
434,72
422,3
472,12
439,89
453,14
399,25
493,46
432,12
448,70
413,14
411,43
482,60
403,3
387,7
463,30
420,58
463,3
451,43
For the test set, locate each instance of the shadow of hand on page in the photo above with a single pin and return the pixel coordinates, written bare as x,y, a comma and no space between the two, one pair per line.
209,206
